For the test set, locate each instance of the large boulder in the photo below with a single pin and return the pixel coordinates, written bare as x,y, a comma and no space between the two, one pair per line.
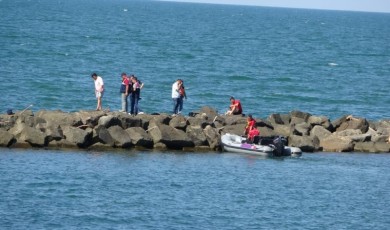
101,135
59,118
211,113
171,137
350,122
197,135
320,120
121,137
139,137
128,121
90,118
305,143
301,129
299,114
178,122
335,143
78,137
108,121
234,129
213,137
276,119
320,132
372,147
199,121
6,139
33,136
281,130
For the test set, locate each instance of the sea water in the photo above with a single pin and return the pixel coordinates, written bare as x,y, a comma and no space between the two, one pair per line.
330,63
327,63
153,190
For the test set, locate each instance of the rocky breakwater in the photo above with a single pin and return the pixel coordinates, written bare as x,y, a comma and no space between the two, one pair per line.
202,131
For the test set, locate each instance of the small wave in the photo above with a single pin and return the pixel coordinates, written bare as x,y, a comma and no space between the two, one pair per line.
125,10
332,64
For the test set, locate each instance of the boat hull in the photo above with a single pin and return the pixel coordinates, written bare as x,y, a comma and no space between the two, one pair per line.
237,144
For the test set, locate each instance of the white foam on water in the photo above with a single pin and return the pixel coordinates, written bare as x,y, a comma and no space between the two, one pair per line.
332,64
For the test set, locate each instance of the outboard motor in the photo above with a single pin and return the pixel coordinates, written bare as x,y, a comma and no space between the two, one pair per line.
279,146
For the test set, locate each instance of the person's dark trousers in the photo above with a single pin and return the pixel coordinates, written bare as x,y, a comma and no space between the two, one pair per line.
176,105
134,104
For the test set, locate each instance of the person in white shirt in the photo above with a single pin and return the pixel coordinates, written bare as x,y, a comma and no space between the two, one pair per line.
99,89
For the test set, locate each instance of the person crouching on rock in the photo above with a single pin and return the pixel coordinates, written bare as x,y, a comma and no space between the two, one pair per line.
252,133
250,122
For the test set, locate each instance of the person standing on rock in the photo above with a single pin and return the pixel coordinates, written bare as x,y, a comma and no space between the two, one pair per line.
124,93
177,98
134,95
99,89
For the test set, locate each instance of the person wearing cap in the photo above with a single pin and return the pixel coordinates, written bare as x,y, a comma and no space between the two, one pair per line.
99,89
250,123
124,90
235,107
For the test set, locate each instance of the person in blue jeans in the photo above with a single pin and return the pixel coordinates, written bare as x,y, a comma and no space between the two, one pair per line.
134,97
178,95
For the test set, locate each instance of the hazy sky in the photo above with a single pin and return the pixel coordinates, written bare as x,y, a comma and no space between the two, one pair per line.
355,5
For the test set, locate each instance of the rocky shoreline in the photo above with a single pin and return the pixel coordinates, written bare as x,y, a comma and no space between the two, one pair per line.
200,131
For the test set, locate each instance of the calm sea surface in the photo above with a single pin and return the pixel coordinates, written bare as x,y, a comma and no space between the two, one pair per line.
274,60
152,190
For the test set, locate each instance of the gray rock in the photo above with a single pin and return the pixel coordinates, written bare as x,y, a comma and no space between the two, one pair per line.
197,135
32,136
121,137
372,147
213,137
234,129
379,138
276,119
198,121
235,119
139,137
281,130
6,139
299,114
78,137
59,118
349,122
90,118
128,121
305,143
211,113
108,121
335,143
320,120
171,137
179,122
301,129
320,132
103,136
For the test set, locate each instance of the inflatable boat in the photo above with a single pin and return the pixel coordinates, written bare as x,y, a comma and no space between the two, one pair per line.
261,146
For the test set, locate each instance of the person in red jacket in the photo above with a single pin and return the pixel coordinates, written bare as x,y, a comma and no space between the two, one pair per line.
250,122
252,133
235,107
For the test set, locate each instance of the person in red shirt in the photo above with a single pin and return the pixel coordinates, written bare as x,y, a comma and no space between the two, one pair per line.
250,122
124,92
252,133
235,107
